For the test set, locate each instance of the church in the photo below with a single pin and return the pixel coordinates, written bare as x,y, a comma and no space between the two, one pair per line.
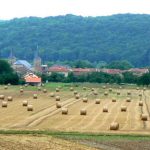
23,67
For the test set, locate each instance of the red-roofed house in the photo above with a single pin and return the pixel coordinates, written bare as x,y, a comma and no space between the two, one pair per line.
111,71
59,69
138,71
81,71
32,79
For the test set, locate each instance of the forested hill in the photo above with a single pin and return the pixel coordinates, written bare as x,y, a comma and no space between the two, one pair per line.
117,37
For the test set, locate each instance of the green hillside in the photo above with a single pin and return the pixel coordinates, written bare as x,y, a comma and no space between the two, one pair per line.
117,37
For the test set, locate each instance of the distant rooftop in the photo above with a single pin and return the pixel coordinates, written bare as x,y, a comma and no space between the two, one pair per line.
23,62
32,78
57,68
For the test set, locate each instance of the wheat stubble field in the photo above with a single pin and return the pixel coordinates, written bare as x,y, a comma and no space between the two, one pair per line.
100,106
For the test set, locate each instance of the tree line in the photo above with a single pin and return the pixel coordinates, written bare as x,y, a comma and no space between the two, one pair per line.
8,75
99,77
70,38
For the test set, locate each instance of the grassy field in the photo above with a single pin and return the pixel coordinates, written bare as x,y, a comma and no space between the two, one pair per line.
25,139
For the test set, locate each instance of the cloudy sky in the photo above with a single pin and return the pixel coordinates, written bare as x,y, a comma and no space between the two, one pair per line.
20,8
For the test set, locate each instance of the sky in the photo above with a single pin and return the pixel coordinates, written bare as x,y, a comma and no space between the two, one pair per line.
42,8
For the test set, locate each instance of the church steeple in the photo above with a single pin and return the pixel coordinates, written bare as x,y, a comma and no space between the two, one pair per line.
36,54
11,58
37,61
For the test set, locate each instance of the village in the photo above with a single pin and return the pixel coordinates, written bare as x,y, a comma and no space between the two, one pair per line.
30,72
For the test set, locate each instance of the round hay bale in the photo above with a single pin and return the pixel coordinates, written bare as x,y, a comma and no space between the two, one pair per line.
105,109
9,84
42,84
71,89
128,99
120,87
144,89
29,108
106,93
113,100
57,90
44,90
77,96
124,108
140,103
2,97
144,117
25,103
52,95
92,89
114,126
58,105
118,93
5,87
83,112
21,91
137,88
110,89
57,98
85,99
75,92
104,87
97,101
35,96
84,88
4,104
64,111
10,98
39,88
95,93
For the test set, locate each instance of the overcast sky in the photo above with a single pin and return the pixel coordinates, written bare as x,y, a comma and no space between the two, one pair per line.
20,8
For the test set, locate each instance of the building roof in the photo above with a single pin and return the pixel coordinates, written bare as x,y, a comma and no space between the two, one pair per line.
111,71
23,62
58,69
84,70
138,70
32,78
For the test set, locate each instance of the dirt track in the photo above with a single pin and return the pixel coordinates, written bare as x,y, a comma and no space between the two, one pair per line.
119,145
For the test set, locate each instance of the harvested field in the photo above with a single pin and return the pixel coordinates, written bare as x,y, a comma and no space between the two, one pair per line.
28,142
45,115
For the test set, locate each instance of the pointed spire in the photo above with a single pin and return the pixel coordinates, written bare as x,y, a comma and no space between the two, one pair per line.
11,54
36,54
12,58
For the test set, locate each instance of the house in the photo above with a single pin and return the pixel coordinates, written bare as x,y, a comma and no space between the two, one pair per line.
22,67
32,79
44,68
59,69
83,71
138,71
111,71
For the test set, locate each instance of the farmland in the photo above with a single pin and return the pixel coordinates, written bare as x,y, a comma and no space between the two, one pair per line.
45,115
93,98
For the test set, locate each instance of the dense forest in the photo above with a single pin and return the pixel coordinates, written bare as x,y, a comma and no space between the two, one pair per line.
70,37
